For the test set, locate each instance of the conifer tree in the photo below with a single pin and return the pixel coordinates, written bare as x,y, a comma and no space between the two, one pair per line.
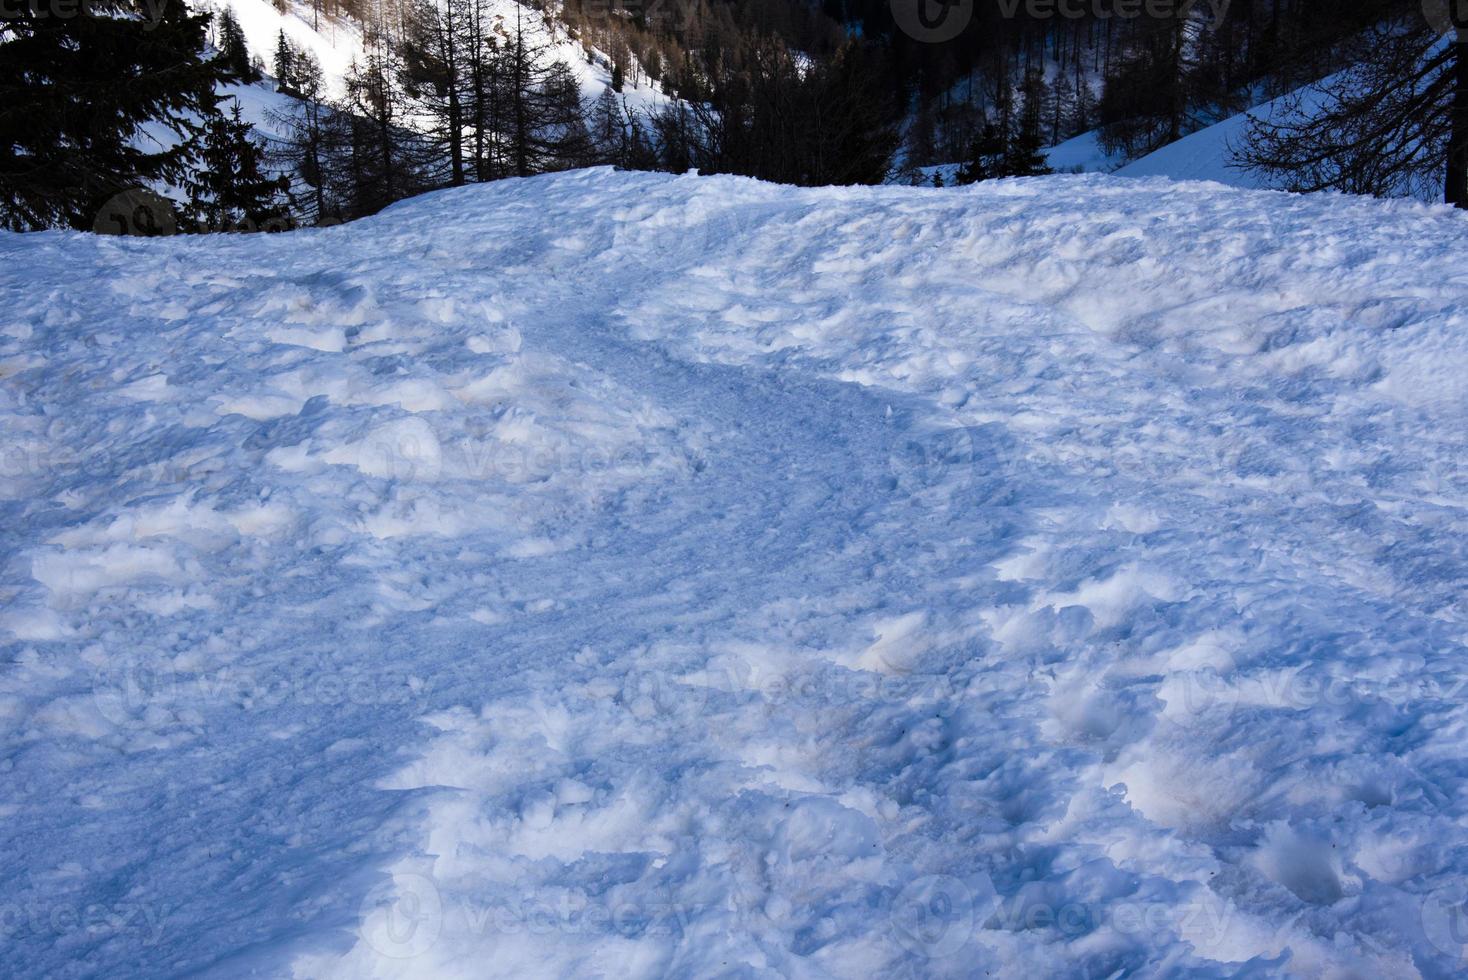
985,158
1394,123
284,66
233,49
68,120
313,139
231,191
1025,156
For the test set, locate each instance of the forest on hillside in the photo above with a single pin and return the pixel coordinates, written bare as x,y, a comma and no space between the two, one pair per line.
850,92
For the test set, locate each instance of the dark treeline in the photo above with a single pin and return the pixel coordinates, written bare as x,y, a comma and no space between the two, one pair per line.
450,94
74,94
1143,80
849,91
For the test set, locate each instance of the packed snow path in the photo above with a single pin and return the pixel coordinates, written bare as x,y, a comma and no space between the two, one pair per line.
633,575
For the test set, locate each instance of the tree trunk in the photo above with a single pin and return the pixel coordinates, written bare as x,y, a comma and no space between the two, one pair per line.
456,115
1457,176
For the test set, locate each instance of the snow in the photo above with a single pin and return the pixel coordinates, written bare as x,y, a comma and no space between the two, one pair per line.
1209,153
338,41
1212,153
1081,154
335,41
637,575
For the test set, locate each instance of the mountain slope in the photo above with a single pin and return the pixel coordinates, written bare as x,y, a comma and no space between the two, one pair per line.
1209,154
1212,153
640,575
336,41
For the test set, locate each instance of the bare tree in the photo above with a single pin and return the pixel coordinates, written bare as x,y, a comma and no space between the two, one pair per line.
1393,124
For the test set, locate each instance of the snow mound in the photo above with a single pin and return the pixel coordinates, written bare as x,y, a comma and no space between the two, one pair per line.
642,575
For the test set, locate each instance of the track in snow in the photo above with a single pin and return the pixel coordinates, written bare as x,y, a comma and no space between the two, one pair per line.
640,575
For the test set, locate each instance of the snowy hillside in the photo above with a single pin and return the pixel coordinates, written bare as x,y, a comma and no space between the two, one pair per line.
1209,154
1061,577
336,42
1212,153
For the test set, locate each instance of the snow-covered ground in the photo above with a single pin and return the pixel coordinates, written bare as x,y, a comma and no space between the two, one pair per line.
632,575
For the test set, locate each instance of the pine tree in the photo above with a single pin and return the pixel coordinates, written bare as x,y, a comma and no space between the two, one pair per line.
543,126
379,158
231,191
483,91
233,49
1025,156
314,138
1082,108
434,75
377,166
985,158
850,118
284,66
608,128
68,122
1058,103
921,138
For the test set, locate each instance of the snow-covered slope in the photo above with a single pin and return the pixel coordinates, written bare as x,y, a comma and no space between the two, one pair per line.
635,575
337,41
1209,154
1078,155
1081,154
1212,153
